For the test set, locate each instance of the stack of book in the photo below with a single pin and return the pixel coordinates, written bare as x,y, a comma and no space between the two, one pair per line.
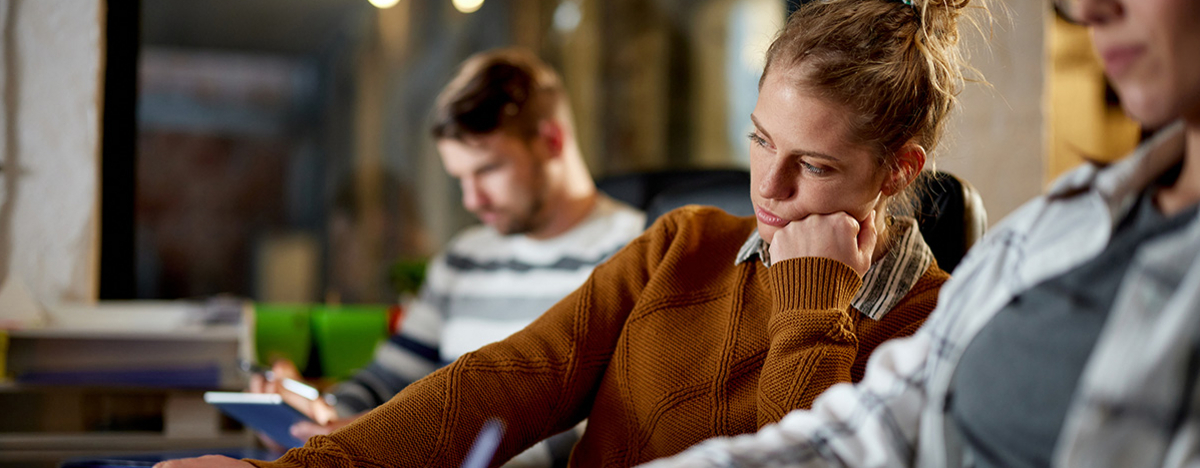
137,344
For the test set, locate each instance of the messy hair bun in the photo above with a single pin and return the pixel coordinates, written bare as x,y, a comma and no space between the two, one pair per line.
895,65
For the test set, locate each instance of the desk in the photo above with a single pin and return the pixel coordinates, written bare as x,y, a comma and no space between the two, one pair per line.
131,461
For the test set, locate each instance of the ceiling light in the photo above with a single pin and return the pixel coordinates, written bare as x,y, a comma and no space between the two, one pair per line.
383,4
467,6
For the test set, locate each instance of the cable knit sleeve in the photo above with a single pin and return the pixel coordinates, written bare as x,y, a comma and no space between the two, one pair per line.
538,382
811,331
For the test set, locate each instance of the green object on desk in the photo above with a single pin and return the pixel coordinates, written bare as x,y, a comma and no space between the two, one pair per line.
346,336
282,331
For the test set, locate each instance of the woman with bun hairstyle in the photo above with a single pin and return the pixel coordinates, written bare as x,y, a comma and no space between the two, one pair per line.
1069,335
709,324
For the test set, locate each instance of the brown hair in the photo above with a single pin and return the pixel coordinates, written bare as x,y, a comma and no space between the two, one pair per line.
895,66
505,89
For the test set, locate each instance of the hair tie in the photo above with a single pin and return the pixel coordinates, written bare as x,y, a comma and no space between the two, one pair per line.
907,2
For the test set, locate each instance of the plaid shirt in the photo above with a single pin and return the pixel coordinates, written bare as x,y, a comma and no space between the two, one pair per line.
1137,403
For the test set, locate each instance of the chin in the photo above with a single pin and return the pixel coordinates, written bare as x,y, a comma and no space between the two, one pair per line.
1147,109
1150,118
767,233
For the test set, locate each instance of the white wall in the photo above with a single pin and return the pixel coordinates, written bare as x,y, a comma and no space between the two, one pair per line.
50,51
996,139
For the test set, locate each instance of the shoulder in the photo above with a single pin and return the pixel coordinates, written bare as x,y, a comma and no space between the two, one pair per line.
707,219
617,212
694,227
613,219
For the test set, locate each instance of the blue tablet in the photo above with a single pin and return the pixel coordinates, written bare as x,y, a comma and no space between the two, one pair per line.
266,413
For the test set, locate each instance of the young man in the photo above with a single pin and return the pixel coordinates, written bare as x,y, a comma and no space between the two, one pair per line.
503,128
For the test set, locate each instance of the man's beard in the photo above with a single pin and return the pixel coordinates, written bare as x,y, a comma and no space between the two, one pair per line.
532,219
528,222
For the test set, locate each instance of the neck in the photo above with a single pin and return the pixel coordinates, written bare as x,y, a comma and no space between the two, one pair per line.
883,237
569,200
1186,190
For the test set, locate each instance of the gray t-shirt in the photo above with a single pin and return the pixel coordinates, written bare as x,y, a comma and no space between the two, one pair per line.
1016,378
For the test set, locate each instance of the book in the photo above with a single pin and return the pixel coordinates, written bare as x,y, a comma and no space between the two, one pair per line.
266,413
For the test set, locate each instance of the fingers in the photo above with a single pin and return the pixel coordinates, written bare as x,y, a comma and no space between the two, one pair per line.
304,429
323,413
838,236
284,368
270,444
259,384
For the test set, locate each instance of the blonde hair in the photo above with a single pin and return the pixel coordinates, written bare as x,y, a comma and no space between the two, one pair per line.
896,67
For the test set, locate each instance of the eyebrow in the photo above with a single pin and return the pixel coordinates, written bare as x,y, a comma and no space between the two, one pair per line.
809,153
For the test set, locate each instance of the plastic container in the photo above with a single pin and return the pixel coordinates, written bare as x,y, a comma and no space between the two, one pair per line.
282,331
346,336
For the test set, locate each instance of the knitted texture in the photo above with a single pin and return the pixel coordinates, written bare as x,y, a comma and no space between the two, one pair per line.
667,344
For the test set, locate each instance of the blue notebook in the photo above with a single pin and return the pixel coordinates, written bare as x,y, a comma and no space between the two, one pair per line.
266,413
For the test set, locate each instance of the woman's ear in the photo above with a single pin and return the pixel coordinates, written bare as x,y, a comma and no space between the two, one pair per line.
908,163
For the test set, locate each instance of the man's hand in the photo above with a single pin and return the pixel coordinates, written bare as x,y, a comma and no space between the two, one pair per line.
207,461
281,369
837,236
317,410
304,429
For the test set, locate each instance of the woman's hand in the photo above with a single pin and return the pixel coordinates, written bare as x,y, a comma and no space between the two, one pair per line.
837,236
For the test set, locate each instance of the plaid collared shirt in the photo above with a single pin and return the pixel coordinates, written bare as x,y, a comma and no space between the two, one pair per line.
1137,403
888,279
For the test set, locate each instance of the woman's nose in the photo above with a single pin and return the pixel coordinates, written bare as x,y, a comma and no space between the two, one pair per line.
779,183
1096,12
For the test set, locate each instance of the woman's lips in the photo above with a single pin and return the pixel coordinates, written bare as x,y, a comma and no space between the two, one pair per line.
769,218
1119,59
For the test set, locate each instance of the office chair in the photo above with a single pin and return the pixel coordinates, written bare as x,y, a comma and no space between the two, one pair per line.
950,211
723,188
951,215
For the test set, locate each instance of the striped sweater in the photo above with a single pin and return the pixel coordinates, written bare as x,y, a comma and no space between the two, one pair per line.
670,342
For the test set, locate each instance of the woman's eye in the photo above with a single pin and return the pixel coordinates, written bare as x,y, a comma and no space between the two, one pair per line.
760,141
813,169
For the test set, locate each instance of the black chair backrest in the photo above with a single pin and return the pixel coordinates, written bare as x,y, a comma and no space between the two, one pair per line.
718,187
951,214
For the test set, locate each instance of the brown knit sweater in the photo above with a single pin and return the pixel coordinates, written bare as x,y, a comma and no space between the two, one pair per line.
667,344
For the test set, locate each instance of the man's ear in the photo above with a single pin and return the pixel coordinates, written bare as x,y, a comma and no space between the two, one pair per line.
908,163
552,134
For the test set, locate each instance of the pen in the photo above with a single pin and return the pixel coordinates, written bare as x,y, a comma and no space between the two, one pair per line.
486,443
306,391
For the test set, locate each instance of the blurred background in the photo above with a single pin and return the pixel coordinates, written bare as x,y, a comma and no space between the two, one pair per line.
277,149
282,151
